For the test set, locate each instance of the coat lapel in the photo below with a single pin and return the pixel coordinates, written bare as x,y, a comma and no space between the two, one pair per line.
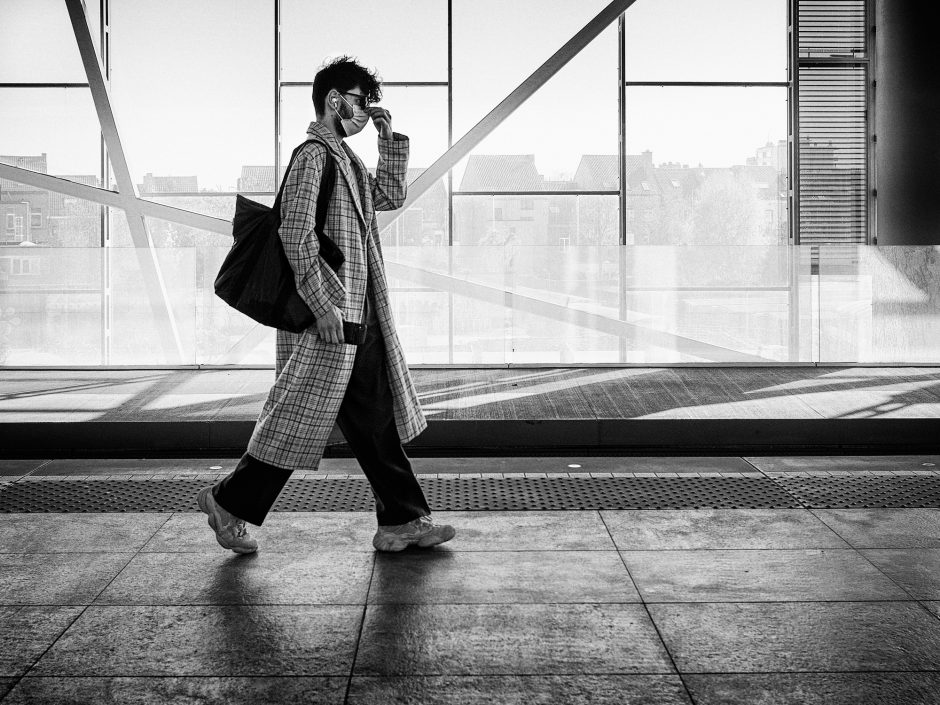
359,169
342,163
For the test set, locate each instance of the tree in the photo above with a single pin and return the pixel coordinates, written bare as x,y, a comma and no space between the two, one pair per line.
725,211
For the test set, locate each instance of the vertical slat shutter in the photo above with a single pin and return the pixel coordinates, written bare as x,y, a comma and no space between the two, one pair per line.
833,121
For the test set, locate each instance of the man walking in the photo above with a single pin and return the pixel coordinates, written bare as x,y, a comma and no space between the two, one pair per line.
320,380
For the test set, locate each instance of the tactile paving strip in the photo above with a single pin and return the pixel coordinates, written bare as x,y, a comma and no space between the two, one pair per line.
862,492
494,494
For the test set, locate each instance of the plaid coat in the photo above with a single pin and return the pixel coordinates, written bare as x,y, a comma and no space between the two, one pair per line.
311,374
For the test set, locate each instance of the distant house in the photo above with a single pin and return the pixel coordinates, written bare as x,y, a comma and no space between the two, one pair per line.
24,209
153,185
501,172
257,179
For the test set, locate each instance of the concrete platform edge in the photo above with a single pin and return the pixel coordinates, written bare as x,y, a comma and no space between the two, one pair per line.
492,437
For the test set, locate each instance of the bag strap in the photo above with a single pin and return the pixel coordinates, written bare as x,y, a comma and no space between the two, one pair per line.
324,194
329,251
329,168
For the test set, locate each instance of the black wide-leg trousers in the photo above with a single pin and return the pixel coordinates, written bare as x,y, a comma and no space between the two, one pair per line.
366,418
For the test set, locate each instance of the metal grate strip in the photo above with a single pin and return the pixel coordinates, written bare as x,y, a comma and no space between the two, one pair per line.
496,494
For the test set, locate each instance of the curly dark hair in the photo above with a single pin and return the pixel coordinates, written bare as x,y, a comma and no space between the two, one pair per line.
343,74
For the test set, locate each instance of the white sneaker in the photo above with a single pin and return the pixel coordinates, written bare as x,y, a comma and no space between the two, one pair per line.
421,531
230,531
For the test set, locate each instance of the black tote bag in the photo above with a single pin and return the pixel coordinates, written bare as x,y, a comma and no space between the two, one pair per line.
256,277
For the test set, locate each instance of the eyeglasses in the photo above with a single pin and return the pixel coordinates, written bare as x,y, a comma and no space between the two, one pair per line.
362,101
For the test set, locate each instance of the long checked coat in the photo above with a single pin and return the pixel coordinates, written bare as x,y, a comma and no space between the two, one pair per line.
311,374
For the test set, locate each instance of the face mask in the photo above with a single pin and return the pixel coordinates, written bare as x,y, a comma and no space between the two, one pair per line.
354,124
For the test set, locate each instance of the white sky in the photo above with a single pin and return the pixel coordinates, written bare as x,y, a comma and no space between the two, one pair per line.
193,82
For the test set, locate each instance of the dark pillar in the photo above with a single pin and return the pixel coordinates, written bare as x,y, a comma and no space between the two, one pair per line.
907,122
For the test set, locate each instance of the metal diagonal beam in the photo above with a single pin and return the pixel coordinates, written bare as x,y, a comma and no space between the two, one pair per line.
114,200
448,160
58,185
151,274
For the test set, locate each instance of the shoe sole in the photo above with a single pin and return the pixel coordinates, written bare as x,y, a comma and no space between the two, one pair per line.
202,499
424,542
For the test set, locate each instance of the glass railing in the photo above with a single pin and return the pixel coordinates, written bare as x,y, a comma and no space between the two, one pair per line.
506,305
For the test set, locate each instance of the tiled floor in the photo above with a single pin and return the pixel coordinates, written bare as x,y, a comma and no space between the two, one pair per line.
669,606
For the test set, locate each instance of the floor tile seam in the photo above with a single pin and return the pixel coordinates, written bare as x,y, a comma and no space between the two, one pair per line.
775,601
198,604
885,574
756,468
796,498
807,672
217,676
362,625
649,616
520,674
929,611
815,511
56,640
37,469
457,603
382,676
132,557
792,602
796,549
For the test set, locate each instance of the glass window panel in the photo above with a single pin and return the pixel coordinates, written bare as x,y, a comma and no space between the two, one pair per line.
879,305
143,314
706,40
51,303
422,320
402,41
223,335
421,304
540,147
556,283
37,44
498,44
425,222
418,112
717,304
468,277
193,117
52,131
706,166
536,220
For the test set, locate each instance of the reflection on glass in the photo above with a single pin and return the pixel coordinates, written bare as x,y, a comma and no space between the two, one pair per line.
677,40
402,41
51,306
422,223
193,117
879,304
37,44
536,220
580,305
706,166
151,324
496,305
223,335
